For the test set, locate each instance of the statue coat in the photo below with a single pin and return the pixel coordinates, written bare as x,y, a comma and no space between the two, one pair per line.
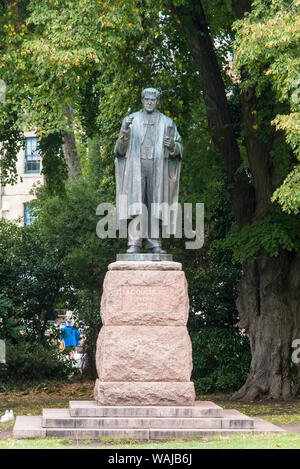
166,169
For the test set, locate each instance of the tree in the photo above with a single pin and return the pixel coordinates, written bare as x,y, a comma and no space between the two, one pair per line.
267,53
68,222
221,352
40,282
64,63
268,291
31,279
32,99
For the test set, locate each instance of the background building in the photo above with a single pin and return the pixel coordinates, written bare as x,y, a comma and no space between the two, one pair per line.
14,198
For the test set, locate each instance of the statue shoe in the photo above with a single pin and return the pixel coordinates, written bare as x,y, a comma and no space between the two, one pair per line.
133,250
158,250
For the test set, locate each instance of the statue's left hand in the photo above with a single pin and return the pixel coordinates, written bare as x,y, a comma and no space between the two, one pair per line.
169,143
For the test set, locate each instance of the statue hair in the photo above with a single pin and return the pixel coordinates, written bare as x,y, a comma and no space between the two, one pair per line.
153,91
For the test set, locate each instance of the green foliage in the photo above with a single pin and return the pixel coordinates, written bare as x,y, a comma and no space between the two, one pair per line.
221,359
68,222
288,194
31,278
221,353
96,57
8,326
267,55
12,140
12,30
201,173
40,280
86,309
54,164
27,362
273,233
10,235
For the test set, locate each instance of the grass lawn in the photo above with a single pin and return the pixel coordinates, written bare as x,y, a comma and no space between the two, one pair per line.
31,401
264,441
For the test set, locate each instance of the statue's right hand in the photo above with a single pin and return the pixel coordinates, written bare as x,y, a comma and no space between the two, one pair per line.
128,121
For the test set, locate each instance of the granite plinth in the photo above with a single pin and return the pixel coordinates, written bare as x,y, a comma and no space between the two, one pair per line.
145,297
144,353
137,393
145,265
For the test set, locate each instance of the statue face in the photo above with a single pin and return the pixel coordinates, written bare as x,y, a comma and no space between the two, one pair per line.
150,102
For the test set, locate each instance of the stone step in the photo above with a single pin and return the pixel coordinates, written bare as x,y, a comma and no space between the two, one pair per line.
31,427
28,426
143,434
91,409
60,418
260,426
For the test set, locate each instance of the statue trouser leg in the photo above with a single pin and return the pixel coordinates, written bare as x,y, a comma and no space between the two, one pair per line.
134,240
153,239
135,231
135,237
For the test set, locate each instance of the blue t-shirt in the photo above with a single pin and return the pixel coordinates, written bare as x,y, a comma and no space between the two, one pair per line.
71,336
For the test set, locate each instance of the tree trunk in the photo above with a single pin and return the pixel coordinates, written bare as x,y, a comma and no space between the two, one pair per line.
70,149
268,294
194,25
269,309
95,164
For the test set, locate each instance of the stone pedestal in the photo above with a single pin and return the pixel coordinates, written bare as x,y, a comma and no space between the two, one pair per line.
144,362
144,353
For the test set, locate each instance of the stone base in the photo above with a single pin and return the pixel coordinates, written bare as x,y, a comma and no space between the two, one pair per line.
142,257
144,393
144,352
87,420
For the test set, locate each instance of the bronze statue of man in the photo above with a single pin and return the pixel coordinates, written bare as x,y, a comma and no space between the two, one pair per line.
148,159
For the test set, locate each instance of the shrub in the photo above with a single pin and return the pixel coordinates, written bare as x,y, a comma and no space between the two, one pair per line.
28,362
221,359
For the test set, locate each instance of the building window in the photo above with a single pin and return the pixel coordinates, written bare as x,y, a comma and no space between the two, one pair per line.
29,216
32,156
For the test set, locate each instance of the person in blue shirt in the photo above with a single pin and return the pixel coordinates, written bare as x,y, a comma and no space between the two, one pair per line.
71,337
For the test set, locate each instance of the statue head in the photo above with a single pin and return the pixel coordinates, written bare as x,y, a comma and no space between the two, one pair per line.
150,99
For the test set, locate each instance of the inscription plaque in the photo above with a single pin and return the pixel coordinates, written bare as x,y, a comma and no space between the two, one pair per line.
139,298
